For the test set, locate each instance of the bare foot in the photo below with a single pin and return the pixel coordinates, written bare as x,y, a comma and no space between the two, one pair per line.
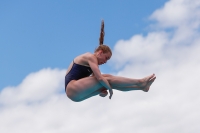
145,80
146,88
103,93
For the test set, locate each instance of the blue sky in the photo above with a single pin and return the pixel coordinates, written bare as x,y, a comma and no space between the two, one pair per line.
38,40
46,33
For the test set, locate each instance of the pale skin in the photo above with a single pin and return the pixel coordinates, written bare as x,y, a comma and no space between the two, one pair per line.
79,90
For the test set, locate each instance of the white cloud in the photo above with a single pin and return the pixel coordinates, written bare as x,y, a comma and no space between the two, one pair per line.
35,87
172,103
180,16
138,47
177,13
37,104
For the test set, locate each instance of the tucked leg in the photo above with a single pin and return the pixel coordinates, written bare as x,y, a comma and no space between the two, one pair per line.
87,87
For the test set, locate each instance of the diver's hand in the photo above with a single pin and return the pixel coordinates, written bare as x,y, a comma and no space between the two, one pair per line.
111,93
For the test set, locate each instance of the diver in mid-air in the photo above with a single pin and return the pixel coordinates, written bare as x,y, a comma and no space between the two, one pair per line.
84,79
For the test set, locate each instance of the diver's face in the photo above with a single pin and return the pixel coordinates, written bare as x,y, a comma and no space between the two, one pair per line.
103,57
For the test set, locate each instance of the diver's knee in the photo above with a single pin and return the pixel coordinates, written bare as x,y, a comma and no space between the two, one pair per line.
107,75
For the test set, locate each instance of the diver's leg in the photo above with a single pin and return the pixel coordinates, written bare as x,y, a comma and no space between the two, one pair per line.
89,86
119,81
135,87
79,90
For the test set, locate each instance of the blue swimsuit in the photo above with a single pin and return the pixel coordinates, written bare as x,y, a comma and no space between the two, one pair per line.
77,72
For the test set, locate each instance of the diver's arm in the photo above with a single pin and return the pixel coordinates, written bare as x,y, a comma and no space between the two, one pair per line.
92,61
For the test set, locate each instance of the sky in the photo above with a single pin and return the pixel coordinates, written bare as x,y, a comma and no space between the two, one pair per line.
39,39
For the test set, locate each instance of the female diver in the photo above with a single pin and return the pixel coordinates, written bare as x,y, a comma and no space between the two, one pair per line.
84,79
